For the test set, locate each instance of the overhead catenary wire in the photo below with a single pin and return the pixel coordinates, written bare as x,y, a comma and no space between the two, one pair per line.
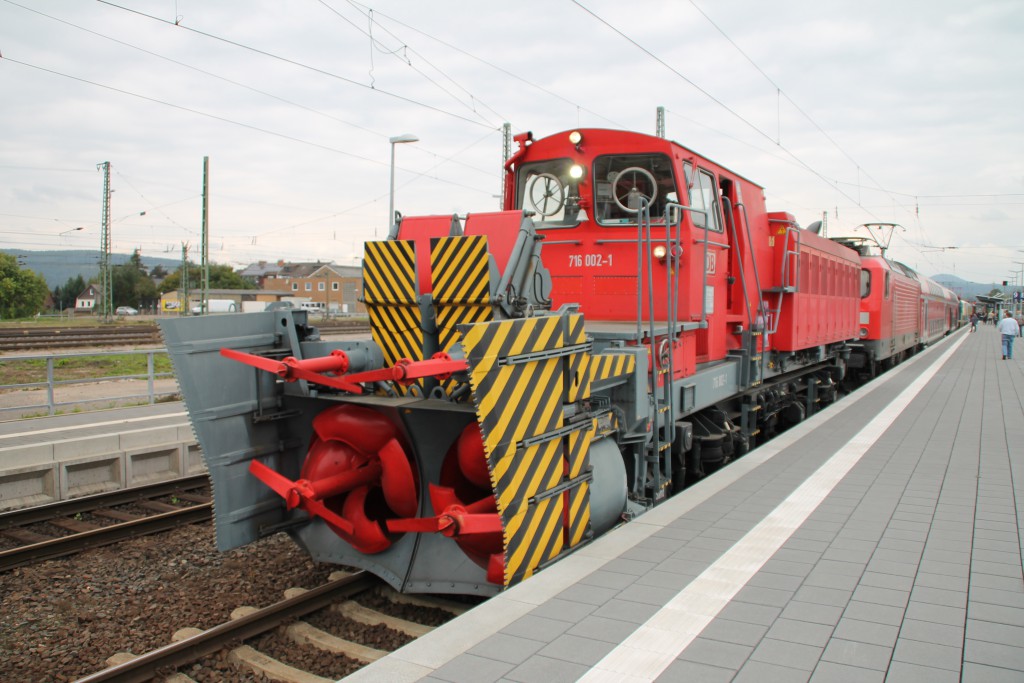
821,176
221,78
781,93
707,94
299,64
223,119
491,65
291,61
405,49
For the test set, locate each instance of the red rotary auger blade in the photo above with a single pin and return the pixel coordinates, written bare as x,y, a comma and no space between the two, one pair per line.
297,494
455,520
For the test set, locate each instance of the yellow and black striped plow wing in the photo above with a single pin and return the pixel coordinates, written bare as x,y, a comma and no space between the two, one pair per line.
460,270
577,372
461,284
538,464
389,292
578,497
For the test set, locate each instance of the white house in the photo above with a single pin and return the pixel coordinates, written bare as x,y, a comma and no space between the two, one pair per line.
87,300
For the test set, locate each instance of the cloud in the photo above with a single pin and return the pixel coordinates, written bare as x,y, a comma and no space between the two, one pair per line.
913,102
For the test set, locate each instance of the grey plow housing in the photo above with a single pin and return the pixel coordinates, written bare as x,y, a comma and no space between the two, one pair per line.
241,414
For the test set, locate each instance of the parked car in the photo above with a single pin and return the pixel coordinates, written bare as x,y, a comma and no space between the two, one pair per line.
125,310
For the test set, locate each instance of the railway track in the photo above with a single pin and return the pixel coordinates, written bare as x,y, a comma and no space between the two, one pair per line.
30,338
285,620
49,531
16,339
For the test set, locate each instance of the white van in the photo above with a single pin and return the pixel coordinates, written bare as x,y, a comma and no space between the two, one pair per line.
216,306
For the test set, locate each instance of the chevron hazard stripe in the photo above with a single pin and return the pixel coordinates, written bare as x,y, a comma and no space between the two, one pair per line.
389,292
607,366
460,268
579,513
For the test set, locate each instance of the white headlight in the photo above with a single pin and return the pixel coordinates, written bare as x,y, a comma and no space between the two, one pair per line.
575,137
576,171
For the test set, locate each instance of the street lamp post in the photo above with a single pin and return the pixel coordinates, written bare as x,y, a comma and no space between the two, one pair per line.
327,294
397,140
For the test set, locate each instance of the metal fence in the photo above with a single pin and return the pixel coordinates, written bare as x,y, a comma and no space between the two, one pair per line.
52,405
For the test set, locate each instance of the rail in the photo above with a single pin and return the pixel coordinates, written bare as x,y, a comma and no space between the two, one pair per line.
31,338
69,508
51,383
184,652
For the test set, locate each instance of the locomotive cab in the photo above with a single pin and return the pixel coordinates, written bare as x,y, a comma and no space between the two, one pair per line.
666,251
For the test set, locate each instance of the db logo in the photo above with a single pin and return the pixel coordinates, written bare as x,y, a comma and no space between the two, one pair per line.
709,264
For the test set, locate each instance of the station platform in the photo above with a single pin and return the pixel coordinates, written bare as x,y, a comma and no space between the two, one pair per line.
880,540
49,459
93,422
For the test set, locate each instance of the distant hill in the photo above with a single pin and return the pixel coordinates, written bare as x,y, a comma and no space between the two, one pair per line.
57,266
964,288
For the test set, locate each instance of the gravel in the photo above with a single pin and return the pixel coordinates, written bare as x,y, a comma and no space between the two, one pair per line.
60,620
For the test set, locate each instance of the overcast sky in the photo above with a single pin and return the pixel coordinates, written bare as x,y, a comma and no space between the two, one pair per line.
871,111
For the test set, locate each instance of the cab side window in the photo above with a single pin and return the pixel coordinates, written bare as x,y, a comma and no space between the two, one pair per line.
704,201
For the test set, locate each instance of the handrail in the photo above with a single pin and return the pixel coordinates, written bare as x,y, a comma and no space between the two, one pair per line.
743,271
51,384
761,306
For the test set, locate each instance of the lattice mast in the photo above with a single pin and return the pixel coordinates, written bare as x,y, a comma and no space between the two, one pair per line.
106,276
206,234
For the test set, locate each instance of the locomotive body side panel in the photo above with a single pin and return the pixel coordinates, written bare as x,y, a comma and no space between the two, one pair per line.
889,309
823,309
939,311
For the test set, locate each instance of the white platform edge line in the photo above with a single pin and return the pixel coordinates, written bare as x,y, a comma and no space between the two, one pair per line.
90,425
649,650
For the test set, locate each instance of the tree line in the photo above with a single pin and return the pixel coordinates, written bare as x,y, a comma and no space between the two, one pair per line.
24,293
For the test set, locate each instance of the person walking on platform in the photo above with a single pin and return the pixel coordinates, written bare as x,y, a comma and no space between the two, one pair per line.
1009,328
974,322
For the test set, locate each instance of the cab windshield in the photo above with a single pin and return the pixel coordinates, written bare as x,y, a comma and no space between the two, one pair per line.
620,179
547,189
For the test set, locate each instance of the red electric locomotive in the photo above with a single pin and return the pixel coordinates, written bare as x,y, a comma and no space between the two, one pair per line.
901,310
633,319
